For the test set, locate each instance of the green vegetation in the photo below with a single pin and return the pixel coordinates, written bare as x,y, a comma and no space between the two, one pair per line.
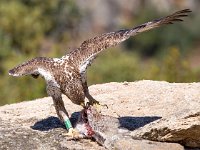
24,27
27,25
126,66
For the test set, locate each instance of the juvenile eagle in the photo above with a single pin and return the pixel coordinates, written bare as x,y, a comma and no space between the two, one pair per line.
67,75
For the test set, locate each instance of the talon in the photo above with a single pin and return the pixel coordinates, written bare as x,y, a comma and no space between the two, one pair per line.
74,134
105,105
97,105
83,104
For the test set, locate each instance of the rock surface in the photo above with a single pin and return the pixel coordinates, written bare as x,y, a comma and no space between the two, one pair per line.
151,110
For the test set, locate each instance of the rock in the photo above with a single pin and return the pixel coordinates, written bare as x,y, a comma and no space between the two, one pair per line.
130,144
159,111
185,131
151,110
32,125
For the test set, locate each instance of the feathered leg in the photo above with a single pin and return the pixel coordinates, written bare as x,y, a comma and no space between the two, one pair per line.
62,113
64,117
92,101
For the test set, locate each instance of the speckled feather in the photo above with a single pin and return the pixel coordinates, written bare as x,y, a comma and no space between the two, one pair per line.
90,48
67,74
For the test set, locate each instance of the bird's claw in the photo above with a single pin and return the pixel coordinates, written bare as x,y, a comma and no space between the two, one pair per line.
74,134
97,105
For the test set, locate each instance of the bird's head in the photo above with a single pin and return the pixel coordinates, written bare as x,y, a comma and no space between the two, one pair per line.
34,67
26,68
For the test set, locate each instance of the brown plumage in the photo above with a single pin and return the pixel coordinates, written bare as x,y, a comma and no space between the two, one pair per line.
67,75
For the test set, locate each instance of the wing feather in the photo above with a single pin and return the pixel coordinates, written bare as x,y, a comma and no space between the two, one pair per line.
89,49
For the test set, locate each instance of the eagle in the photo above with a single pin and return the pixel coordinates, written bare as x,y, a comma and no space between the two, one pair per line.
67,75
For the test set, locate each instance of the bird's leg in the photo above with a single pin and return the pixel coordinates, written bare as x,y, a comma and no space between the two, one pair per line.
93,101
63,115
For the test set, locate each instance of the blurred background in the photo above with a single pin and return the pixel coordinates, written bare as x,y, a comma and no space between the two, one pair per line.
30,28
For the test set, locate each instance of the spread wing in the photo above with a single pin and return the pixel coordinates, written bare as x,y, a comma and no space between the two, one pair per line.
89,49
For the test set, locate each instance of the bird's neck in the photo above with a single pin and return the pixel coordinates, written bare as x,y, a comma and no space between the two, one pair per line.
45,68
45,73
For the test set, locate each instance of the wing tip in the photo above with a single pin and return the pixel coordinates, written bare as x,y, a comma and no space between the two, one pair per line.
184,11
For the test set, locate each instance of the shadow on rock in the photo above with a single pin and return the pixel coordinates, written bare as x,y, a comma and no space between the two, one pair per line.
132,123
127,122
48,124
74,117
54,122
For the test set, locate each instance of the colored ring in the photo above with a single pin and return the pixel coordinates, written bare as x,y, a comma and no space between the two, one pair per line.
68,124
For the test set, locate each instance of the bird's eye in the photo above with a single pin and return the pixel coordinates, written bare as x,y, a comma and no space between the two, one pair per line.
35,76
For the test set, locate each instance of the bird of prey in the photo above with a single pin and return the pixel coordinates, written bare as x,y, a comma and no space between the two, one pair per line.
67,75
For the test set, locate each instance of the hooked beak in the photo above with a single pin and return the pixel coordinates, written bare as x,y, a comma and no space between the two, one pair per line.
12,73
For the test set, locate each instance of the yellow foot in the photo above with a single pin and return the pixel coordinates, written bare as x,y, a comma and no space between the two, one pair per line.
74,134
97,105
